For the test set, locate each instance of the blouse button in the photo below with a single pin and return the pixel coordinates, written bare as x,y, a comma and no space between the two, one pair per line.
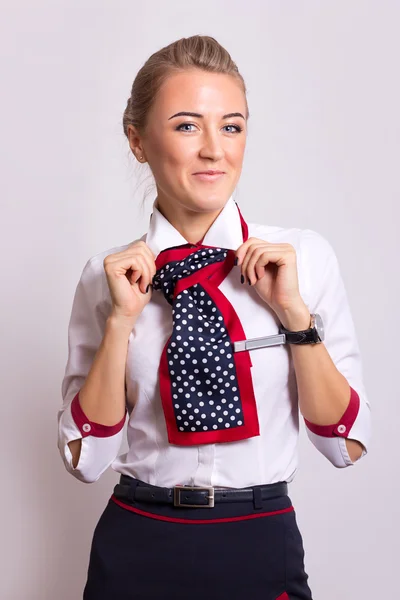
86,427
341,428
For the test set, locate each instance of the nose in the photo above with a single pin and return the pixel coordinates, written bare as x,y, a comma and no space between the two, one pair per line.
211,146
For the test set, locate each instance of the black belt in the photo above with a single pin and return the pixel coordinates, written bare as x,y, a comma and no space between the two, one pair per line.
199,496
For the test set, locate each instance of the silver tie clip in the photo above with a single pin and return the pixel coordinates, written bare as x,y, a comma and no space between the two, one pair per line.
261,342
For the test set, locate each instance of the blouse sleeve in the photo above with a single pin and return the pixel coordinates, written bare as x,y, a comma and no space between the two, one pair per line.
326,295
100,443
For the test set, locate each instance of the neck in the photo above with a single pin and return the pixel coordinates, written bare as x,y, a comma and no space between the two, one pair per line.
192,224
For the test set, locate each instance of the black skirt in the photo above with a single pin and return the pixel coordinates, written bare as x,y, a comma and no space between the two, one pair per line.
146,551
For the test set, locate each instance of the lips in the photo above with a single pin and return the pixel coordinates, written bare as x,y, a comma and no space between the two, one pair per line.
209,175
209,172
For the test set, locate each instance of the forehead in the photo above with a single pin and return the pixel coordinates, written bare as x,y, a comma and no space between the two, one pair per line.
201,91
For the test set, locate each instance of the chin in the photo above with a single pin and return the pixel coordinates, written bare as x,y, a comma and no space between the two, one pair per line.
208,199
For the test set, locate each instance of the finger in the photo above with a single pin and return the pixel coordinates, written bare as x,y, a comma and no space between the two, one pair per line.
256,242
137,270
149,268
127,266
147,278
243,249
144,247
142,277
245,271
262,256
260,271
134,249
256,264
118,262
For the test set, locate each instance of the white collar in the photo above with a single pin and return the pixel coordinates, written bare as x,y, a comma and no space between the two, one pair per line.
225,231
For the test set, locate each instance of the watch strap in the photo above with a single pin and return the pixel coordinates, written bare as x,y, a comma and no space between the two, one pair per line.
308,336
305,336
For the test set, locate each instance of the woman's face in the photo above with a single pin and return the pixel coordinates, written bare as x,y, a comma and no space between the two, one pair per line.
176,147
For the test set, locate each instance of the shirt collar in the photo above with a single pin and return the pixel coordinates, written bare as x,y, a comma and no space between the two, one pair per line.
225,231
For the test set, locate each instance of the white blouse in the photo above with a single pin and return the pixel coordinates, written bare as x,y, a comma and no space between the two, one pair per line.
266,458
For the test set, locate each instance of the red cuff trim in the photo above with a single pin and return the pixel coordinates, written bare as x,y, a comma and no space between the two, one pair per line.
343,426
87,427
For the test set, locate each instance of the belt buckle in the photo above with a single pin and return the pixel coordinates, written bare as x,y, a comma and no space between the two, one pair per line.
179,488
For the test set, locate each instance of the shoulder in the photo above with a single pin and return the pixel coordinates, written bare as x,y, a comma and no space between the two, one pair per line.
309,244
316,249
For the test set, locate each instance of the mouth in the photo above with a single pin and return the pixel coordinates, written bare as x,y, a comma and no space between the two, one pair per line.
209,175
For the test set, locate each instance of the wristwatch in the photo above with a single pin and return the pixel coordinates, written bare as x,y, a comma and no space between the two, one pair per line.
313,335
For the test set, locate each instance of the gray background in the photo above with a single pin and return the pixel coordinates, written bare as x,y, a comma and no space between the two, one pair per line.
322,153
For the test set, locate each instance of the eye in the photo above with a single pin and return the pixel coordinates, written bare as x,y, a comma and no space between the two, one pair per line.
237,127
179,127
184,125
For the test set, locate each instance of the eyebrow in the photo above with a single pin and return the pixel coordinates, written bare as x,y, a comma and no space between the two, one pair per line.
193,114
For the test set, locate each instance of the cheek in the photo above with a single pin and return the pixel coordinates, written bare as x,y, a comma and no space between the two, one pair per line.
237,152
161,157
171,160
168,151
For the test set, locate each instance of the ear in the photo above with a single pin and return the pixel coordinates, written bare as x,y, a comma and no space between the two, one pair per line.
135,143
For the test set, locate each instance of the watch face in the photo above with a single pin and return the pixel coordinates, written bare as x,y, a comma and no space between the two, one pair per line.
319,326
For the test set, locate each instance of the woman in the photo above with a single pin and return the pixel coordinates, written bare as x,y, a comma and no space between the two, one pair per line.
212,334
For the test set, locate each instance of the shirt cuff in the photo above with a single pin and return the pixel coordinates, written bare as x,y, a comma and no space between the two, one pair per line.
87,427
344,425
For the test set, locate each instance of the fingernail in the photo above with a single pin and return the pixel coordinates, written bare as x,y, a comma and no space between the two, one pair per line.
236,260
242,278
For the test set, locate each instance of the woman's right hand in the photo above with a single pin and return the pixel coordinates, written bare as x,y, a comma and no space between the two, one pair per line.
128,274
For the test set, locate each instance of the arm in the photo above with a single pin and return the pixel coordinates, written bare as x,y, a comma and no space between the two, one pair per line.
92,416
329,376
325,396
101,401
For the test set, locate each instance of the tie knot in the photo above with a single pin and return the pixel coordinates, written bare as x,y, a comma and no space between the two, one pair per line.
182,262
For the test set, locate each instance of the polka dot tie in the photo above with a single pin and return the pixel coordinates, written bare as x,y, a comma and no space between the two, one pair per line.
206,389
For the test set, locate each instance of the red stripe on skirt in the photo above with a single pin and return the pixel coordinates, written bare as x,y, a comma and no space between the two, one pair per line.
222,520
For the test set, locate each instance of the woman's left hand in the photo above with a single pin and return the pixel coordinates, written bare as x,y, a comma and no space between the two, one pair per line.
272,270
